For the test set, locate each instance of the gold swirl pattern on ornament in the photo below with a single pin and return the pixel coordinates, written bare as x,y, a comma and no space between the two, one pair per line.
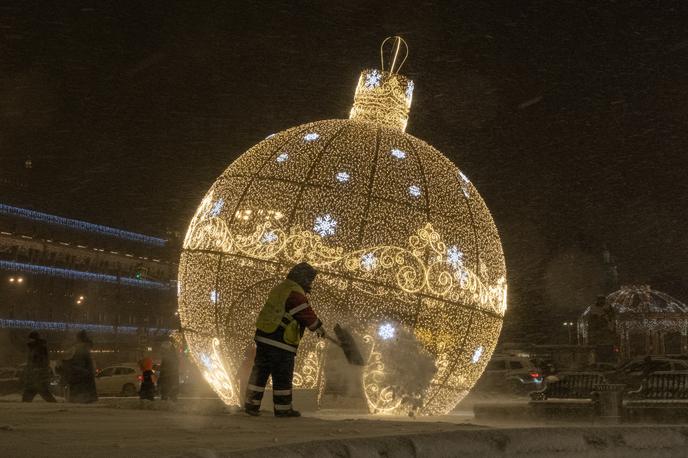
215,373
389,266
380,399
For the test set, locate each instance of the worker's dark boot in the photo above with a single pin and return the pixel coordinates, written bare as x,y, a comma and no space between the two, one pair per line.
287,413
252,411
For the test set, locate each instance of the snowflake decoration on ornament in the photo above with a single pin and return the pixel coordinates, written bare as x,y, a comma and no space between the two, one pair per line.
454,257
409,91
386,331
477,354
325,225
269,237
311,137
282,157
343,177
414,191
368,261
399,154
464,184
214,297
373,79
217,207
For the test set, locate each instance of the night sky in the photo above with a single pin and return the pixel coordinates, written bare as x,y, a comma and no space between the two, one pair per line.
570,117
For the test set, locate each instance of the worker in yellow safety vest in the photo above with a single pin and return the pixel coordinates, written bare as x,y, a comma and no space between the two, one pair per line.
281,323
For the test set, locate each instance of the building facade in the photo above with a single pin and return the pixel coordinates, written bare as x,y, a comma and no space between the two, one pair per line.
59,275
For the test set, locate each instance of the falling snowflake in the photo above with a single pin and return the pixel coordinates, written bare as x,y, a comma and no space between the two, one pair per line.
343,177
373,79
386,331
399,154
282,157
269,237
311,137
477,354
454,257
214,297
217,207
414,191
409,90
325,225
368,261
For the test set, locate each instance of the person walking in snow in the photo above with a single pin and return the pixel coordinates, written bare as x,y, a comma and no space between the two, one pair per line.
168,382
37,373
147,390
280,325
80,371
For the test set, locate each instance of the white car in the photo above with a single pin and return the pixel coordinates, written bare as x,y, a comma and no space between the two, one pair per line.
124,379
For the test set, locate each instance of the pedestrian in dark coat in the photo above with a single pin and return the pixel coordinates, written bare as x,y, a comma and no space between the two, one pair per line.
37,373
168,383
80,371
147,390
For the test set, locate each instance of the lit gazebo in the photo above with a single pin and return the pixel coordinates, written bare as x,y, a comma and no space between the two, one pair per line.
646,322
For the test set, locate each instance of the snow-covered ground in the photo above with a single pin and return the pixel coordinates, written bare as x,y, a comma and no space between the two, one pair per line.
204,428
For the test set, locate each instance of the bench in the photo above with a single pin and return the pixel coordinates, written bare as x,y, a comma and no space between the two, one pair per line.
663,385
570,385
663,396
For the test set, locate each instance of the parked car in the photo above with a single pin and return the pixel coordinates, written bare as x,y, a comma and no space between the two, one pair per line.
122,379
636,370
510,374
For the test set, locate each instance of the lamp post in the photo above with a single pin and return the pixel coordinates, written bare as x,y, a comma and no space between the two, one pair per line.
569,327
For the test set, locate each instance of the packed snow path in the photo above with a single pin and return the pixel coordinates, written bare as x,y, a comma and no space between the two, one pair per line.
127,427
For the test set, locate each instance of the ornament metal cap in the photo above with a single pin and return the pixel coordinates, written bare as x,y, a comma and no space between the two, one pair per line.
384,96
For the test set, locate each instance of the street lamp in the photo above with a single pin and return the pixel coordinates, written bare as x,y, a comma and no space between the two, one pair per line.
569,326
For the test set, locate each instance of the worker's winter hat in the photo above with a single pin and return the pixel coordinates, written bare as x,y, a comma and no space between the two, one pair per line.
303,274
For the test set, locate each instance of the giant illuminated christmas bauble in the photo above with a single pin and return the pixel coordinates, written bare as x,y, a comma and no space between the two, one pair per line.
409,257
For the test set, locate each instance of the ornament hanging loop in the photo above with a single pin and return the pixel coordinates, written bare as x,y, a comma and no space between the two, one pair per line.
398,53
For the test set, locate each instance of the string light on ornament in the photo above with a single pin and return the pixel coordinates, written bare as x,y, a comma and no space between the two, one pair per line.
387,266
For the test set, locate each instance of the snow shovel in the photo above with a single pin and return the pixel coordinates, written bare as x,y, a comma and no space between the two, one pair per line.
347,343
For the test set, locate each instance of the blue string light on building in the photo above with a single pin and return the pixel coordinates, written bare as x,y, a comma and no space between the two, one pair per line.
82,275
62,326
81,225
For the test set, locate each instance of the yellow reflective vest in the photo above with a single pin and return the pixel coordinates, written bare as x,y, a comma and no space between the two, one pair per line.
274,314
